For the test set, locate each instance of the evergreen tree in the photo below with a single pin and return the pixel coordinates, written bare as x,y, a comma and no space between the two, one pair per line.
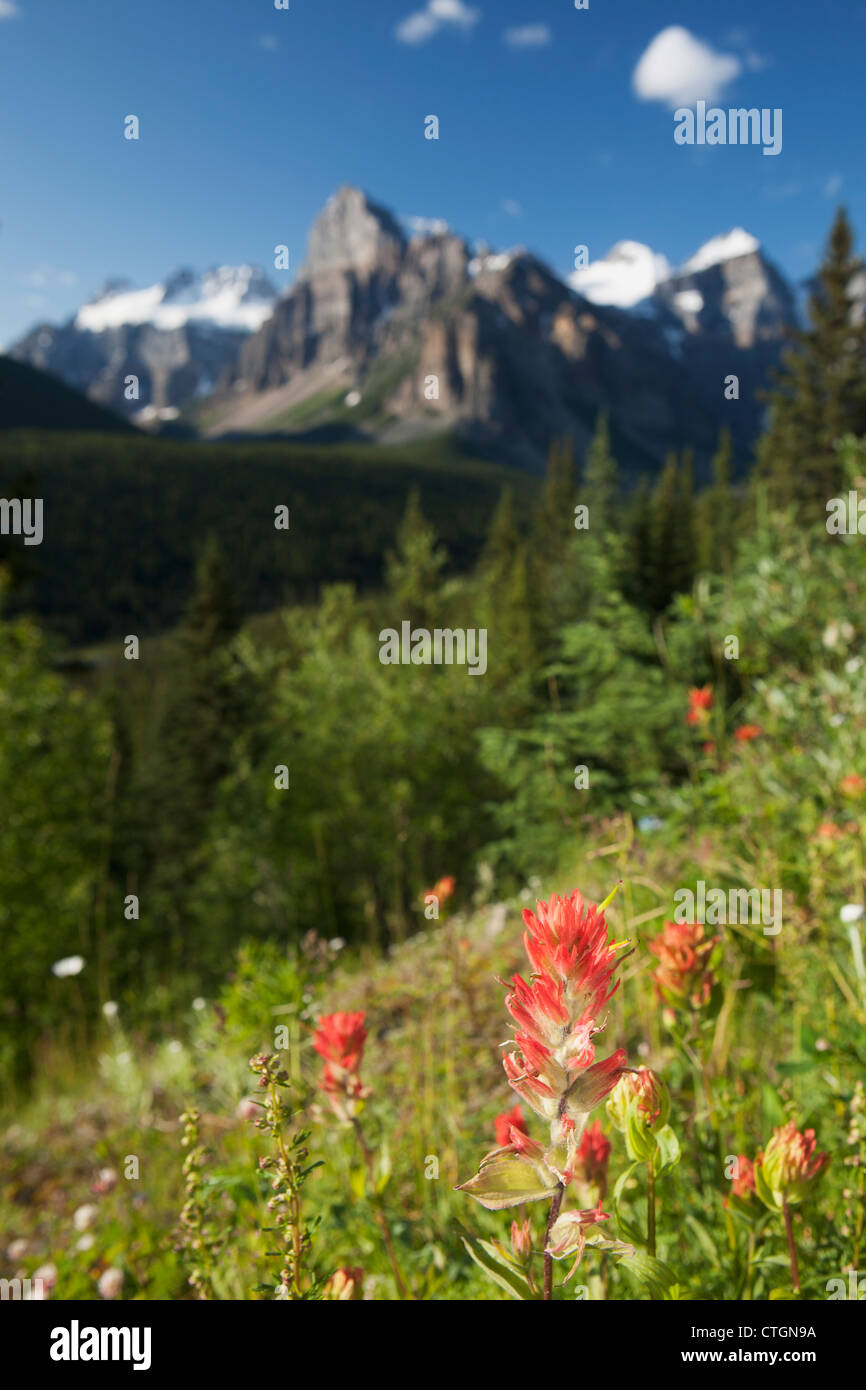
600,490
715,512
503,540
201,713
820,390
413,570
671,533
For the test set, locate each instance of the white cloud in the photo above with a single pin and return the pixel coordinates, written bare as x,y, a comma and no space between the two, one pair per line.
832,186
528,36
679,69
512,207
438,14
8,9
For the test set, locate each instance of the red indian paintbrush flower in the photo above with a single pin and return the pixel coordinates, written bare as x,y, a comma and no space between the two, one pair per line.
788,1167
744,1183
593,1152
747,732
339,1040
553,1067
700,702
505,1123
682,975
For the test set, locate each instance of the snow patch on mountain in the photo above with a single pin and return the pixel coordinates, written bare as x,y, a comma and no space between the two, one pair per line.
229,297
722,248
629,273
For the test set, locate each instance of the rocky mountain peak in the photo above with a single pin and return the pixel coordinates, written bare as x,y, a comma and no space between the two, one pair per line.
351,232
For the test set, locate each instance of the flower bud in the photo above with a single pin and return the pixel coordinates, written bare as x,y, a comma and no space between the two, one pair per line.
784,1173
521,1240
344,1285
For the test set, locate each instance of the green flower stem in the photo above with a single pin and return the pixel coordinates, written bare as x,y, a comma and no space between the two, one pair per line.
792,1249
651,1209
379,1206
548,1259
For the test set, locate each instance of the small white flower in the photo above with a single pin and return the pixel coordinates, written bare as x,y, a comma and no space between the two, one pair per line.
85,1243
853,664
199,1004
69,965
43,1282
109,1008
85,1216
123,1059
111,1282
17,1250
336,943
175,1046
851,912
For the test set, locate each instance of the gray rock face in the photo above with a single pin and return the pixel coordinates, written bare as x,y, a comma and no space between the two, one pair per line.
178,339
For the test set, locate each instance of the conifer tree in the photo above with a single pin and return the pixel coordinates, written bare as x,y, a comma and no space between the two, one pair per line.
715,512
413,570
201,713
820,390
600,488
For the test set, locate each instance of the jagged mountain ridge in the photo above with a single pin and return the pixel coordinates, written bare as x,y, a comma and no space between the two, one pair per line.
178,338
393,336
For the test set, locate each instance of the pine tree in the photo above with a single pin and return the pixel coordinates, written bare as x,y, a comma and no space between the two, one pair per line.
600,490
201,713
715,512
671,533
503,540
413,569
820,390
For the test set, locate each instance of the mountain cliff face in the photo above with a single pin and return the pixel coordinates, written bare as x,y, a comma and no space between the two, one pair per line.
177,339
403,337
395,337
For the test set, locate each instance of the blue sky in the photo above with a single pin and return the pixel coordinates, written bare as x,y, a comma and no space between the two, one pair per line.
250,117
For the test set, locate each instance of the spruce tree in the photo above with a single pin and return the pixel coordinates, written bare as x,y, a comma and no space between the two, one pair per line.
413,569
715,512
820,390
600,489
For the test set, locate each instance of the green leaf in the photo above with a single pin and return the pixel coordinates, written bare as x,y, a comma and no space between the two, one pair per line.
657,1278
506,1180
668,1152
498,1267
704,1239
631,1232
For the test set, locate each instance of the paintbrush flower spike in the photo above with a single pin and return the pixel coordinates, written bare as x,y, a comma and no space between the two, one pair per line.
552,1064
